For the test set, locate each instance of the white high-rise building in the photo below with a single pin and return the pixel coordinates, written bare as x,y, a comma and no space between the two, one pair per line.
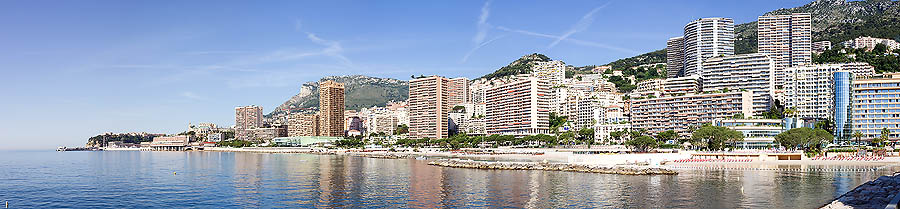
682,113
674,56
810,89
746,72
787,39
519,108
706,38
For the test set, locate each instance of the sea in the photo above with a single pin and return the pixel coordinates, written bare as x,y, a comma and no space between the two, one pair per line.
143,179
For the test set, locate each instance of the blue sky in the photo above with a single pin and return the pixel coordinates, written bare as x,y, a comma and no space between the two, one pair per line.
74,69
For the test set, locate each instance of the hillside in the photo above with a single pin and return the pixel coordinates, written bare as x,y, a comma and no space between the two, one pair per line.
359,92
519,66
832,20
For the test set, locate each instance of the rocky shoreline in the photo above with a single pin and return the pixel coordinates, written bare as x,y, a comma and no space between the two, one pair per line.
877,193
622,170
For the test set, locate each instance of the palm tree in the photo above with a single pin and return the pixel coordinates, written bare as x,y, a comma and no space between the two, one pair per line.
885,134
858,135
789,112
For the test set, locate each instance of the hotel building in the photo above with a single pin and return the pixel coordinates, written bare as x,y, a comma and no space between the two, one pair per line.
843,106
876,105
811,88
519,108
758,133
428,107
746,72
787,39
331,109
682,113
706,38
674,56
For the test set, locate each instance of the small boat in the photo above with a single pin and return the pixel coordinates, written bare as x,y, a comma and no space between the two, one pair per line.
421,158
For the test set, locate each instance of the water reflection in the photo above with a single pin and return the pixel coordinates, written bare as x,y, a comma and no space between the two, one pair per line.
242,180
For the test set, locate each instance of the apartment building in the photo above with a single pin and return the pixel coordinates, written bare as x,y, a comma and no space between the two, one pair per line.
458,91
247,117
428,107
876,106
650,85
869,43
682,85
554,72
674,57
706,38
519,108
684,113
746,72
303,125
821,46
787,39
331,109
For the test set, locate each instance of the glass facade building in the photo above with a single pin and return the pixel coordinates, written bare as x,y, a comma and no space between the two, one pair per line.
843,94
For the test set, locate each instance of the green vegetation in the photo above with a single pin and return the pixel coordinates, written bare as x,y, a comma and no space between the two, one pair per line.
642,143
401,129
666,136
359,92
624,85
715,137
878,57
658,56
234,143
349,143
832,21
807,139
520,66
102,139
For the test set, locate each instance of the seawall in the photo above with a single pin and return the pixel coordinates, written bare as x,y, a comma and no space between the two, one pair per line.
622,170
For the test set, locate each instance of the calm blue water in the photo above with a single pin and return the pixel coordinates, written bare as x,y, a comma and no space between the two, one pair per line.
247,180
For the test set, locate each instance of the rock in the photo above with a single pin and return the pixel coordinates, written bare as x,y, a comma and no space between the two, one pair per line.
455,163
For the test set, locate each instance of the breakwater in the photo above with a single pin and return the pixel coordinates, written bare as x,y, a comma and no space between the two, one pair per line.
879,193
622,170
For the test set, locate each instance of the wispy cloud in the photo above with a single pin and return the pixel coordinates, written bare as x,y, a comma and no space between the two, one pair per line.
482,25
481,29
579,26
574,41
297,24
192,95
216,52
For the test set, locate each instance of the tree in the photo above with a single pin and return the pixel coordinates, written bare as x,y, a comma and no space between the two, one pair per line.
804,138
789,112
738,116
885,135
715,137
401,129
858,135
642,143
586,135
827,125
666,135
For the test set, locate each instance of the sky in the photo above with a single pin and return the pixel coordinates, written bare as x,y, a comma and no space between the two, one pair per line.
75,69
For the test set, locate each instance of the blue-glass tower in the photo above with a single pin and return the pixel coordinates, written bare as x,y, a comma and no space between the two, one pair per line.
843,126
